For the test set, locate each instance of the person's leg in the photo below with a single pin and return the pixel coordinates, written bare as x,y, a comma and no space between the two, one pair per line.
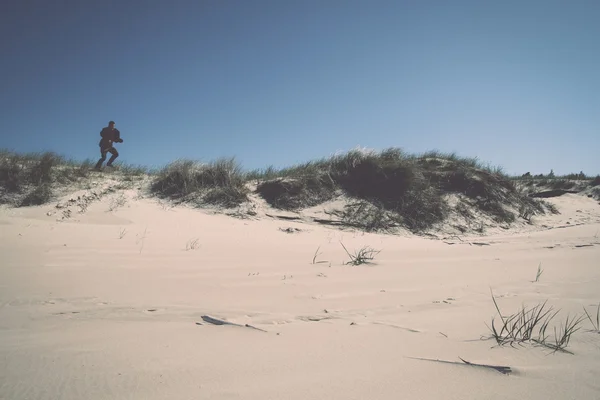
102,158
114,153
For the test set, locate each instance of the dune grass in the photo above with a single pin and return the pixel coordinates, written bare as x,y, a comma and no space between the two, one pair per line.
539,273
393,188
220,182
530,325
365,255
384,189
594,321
28,179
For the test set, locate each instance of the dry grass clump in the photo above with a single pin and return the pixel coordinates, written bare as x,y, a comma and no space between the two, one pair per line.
530,325
220,182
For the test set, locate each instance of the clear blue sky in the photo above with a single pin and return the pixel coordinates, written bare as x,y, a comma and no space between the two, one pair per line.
278,82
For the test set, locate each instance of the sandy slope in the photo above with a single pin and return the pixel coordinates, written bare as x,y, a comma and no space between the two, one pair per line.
104,305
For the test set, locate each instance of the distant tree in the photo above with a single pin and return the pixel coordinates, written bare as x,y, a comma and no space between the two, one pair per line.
551,174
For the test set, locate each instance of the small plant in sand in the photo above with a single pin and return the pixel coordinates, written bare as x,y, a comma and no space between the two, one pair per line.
122,233
539,273
314,260
363,256
530,325
192,244
595,322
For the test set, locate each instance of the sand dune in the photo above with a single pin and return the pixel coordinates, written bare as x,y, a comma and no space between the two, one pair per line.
105,301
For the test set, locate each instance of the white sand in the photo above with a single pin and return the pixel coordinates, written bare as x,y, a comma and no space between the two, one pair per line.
86,315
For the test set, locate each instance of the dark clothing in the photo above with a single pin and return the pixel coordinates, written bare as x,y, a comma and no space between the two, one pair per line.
112,158
109,136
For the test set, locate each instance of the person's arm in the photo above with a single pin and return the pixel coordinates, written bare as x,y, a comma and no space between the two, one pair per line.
118,136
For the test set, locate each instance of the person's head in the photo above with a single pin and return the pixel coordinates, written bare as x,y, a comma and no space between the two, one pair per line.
111,124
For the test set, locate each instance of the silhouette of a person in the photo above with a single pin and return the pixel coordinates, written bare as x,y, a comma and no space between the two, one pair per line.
109,135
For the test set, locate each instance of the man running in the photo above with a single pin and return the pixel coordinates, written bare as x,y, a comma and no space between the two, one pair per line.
109,135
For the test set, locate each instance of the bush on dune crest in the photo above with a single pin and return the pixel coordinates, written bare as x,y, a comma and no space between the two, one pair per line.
219,182
384,181
27,179
32,178
386,189
397,188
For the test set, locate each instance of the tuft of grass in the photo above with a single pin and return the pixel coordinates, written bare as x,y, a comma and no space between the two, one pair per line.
192,244
131,170
392,188
539,273
31,178
531,324
263,174
595,323
314,260
529,207
562,336
363,256
122,233
220,182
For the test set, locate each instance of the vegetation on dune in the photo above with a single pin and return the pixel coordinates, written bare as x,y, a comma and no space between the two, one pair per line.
552,181
530,325
220,182
33,178
393,188
384,190
28,179
549,185
581,176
